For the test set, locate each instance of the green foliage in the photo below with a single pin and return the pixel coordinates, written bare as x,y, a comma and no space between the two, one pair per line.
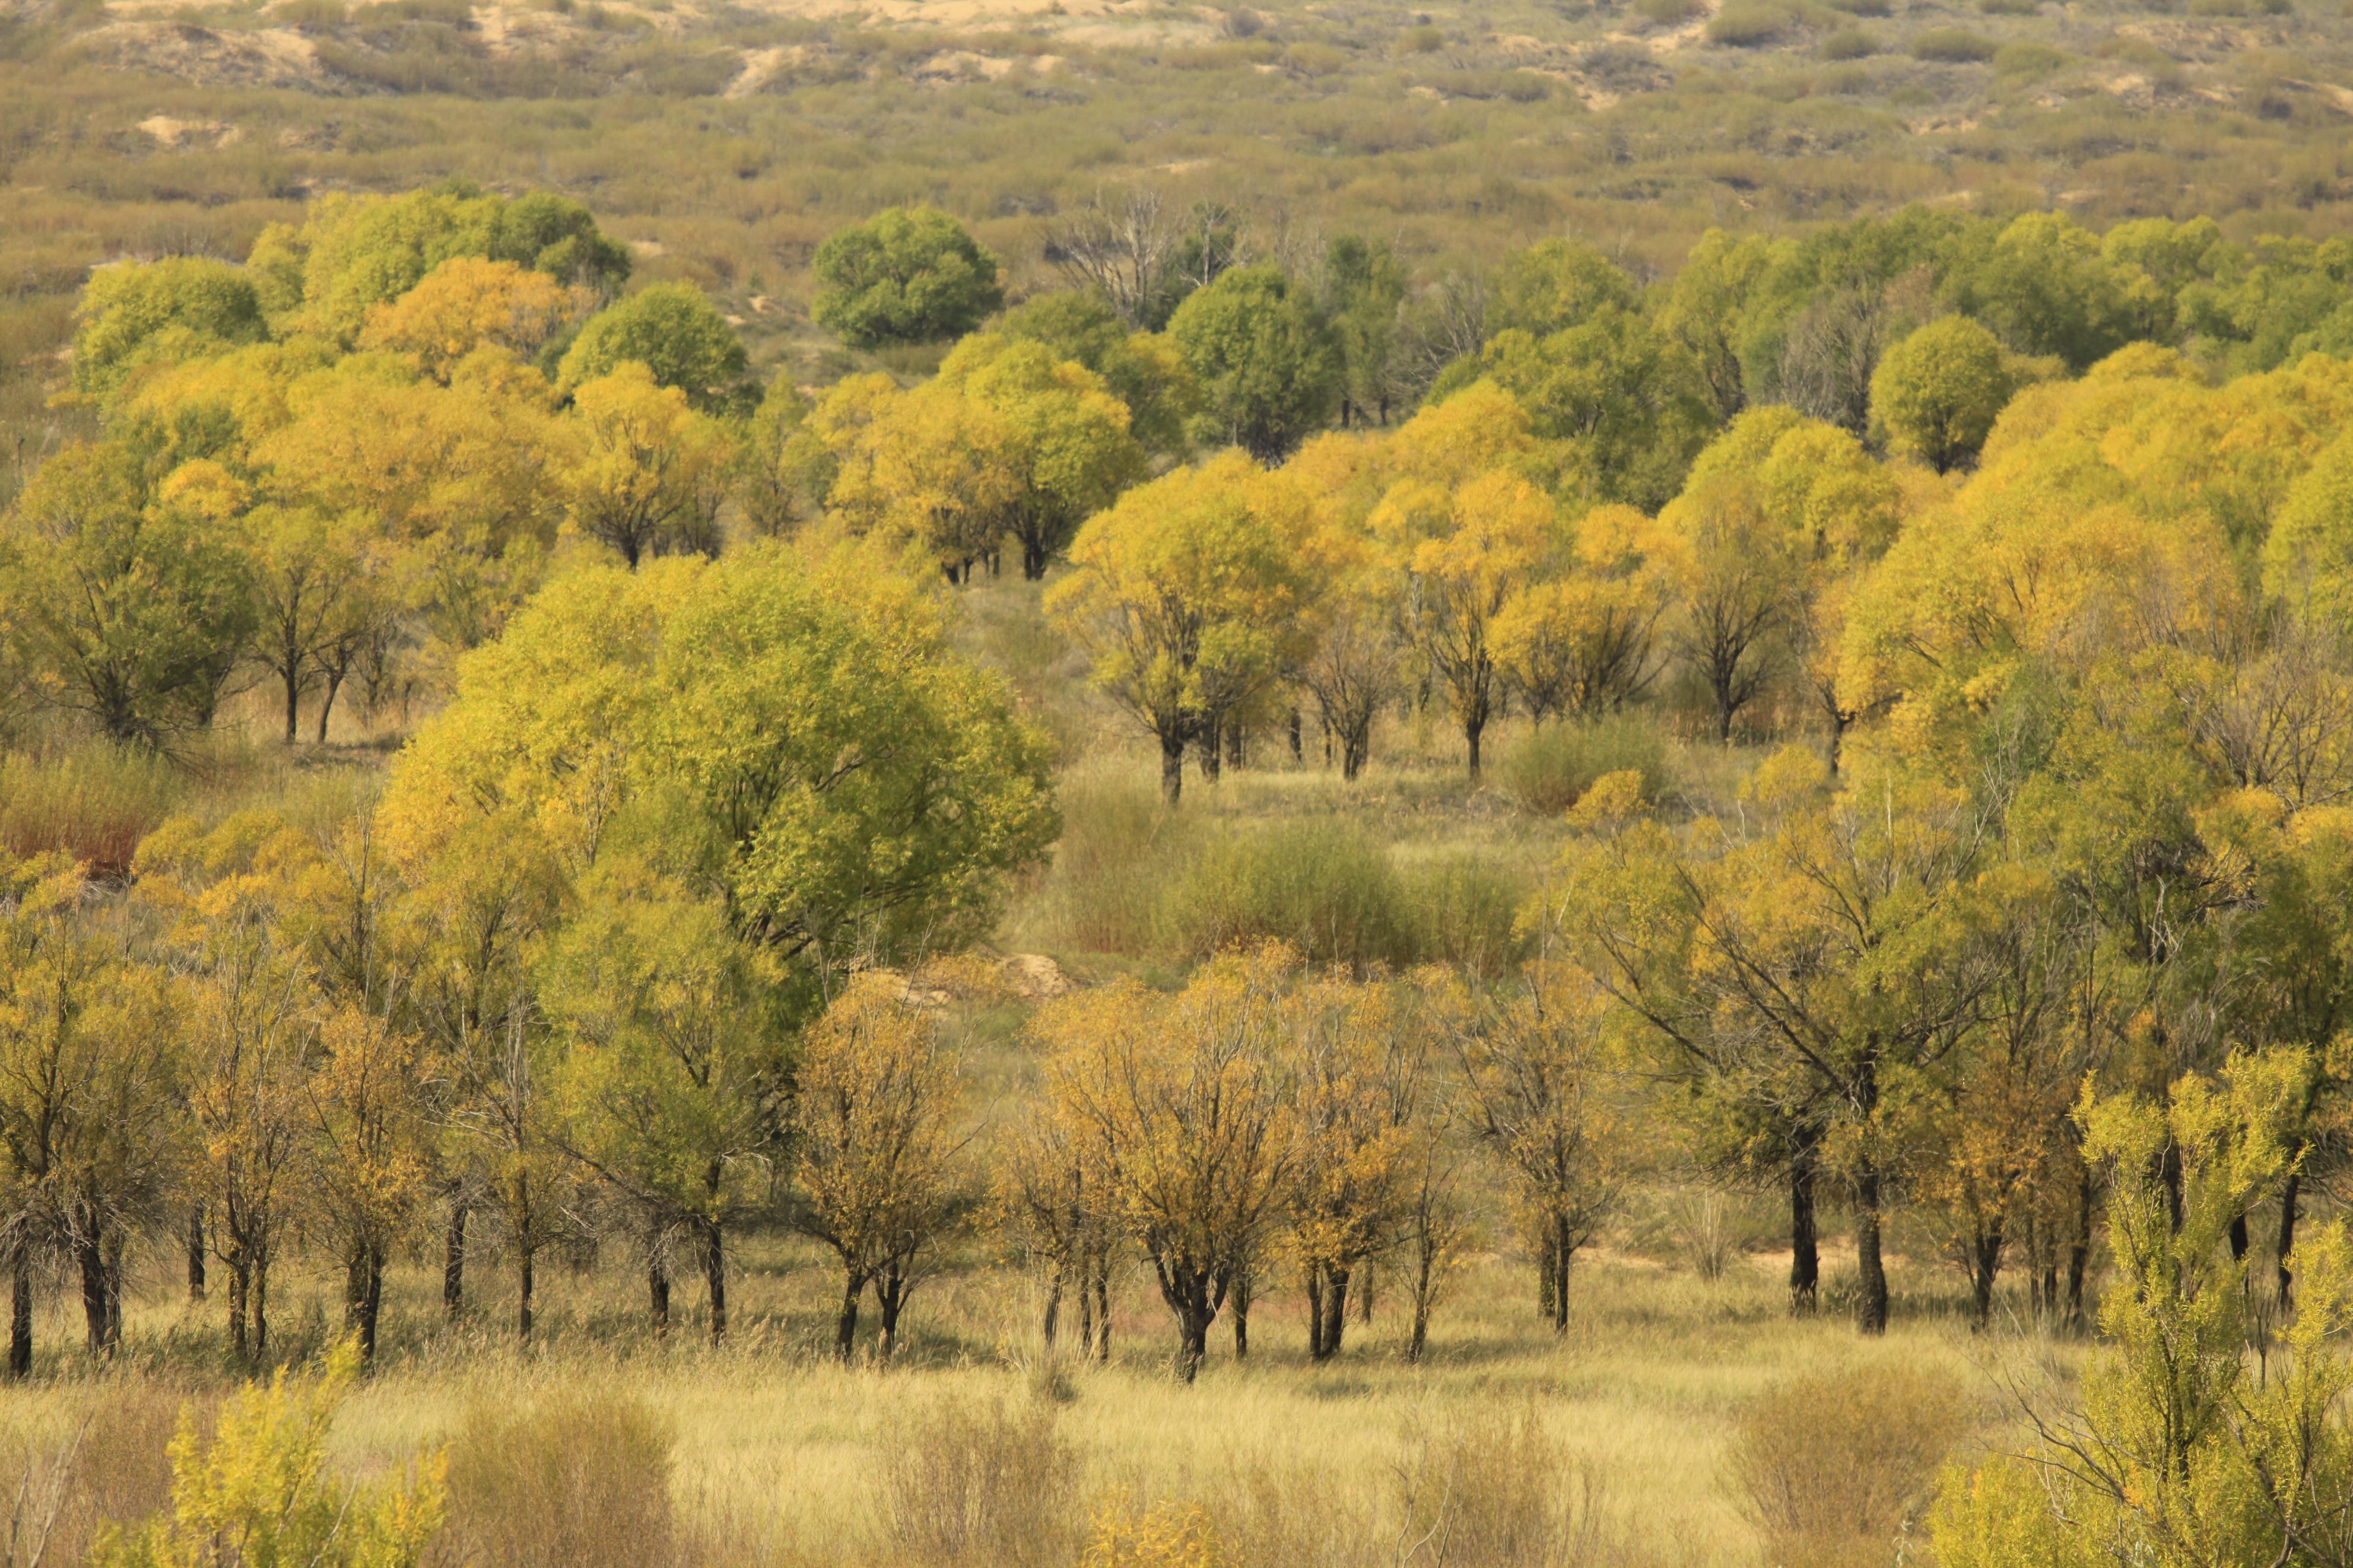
1267,363
256,1492
1952,45
671,329
134,313
910,275
130,611
1552,765
1556,285
1143,369
1748,24
1938,392
1324,889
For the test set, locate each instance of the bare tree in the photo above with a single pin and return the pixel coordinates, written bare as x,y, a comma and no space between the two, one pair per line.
1119,247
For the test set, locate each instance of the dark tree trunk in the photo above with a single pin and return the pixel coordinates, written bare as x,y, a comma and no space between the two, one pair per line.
1314,1286
658,1289
1985,1264
2289,1195
293,673
1241,1301
98,1320
845,1327
327,701
1053,1306
1103,1312
1298,744
1172,770
527,1283
453,1260
890,1300
1208,750
1870,1307
20,1320
367,1297
2079,1251
714,1277
1335,1313
196,1254
2239,1238
1805,1250
240,1290
1237,745
1472,729
1363,1284
1558,1252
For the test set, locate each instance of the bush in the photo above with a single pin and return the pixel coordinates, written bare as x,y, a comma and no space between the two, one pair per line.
94,803
1327,889
1744,26
1669,13
1833,1467
1554,764
1119,848
569,1481
991,1486
1465,913
1848,44
2010,7
2027,59
1952,47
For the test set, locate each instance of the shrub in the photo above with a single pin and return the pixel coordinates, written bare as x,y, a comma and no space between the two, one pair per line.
1166,1535
992,1487
1744,26
1848,44
1952,45
569,1481
1499,1492
1119,848
2027,59
1424,40
910,275
1465,913
94,803
1554,764
1669,13
1831,1467
114,1471
2010,7
1327,889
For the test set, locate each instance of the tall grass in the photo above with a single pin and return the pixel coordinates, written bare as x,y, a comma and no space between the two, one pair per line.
1322,887
968,1485
1552,765
93,802
565,1481
1832,1467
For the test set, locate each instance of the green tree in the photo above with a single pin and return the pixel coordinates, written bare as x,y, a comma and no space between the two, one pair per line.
132,612
671,329
1938,392
1266,360
1188,593
135,312
650,472
1554,285
1142,369
1363,285
908,274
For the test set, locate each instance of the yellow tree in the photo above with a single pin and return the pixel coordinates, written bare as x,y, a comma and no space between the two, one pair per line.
875,1119
1363,1099
1053,1202
1581,642
1189,594
1186,1097
1465,550
649,473
1536,1085
471,302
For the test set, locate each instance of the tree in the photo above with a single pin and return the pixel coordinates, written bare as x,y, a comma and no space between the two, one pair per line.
1936,393
1358,655
1581,643
783,469
468,303
1363,287
1188,593
2048,287
1536,1080
673,330
1186,1097
313,598
137,313
132,611
799,742
1465,551
1265,359
676,1093
908,274
1142,369
2179,1454
874,1120
1363,1105
1055,1202
1554,285
1066,438
87,1096
649,473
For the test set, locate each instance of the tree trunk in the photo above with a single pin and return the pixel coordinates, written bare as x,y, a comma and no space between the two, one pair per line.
453,1261
368,1305
2239,1238
1870,1307
845,1327
1237,745
1298,742
196,1252
293,673
658,1289
1559,1251
1241,1300
327,701
96,1318
1103,1312
1314,1286
1335,1313
1805,1252
1472,729
2288,1197
258,1304
1208,750
1172,770
240,1287
1363,1283
890,1299
2079,1251
714,1277
1985,1260
1192,1344
526,1282
20,1320
1053,1306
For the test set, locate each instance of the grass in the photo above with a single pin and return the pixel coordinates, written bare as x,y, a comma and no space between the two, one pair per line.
776,1455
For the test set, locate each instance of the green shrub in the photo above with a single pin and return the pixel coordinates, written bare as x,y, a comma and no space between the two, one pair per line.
1465,912
1864,7
2010,7
1952,45
1325,888
1848,44
1747,26
1119,848
1424,40
1552,765
1669,13
569,1481
2027,59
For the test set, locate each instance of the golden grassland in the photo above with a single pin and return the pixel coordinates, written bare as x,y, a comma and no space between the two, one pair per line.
778,1451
